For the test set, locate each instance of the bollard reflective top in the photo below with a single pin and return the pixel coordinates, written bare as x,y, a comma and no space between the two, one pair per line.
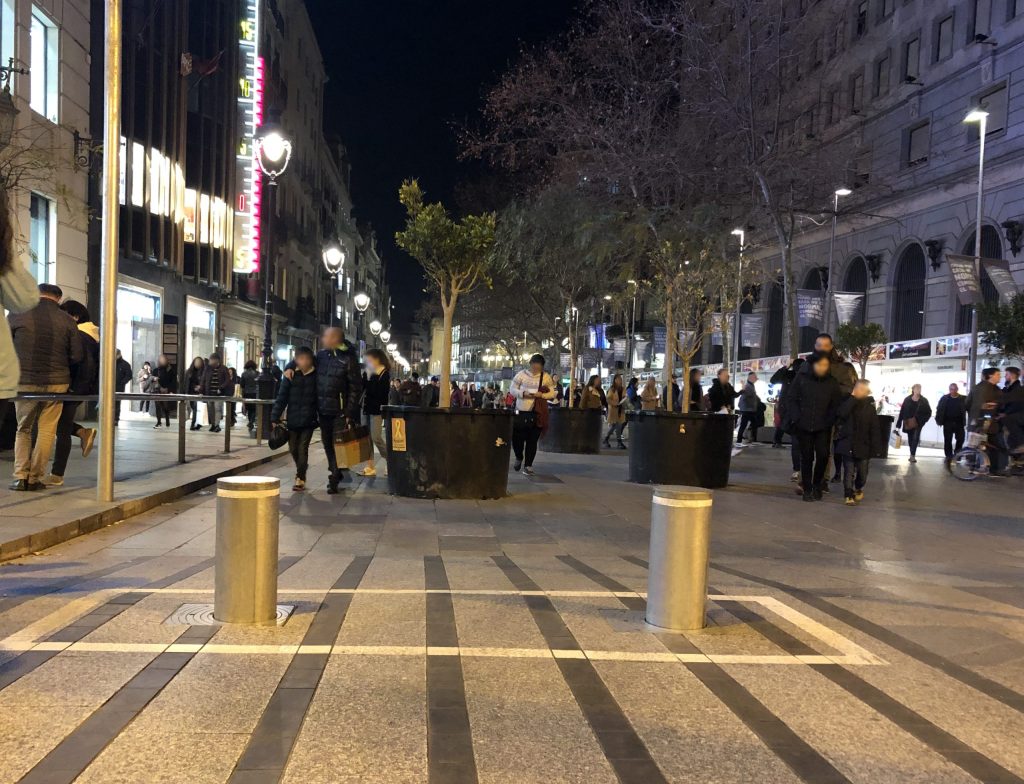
682,493
245,485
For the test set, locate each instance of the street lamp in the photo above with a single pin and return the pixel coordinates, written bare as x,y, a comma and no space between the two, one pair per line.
739,297
829,288
385,336
273,152
632,325
8,111
362,302
392,348
979,116
376,327
334,257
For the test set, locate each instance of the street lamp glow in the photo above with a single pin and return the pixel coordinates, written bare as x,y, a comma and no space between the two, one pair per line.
843,192
608,297
385,335
274,146
362,302
334,257
376,327
392,347
976,116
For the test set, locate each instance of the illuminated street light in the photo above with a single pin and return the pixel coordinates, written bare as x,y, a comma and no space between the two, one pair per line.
385,336
273,152
979,116
334,257
362,302
376,327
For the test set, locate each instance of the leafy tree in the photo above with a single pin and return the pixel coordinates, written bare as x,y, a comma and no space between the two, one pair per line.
456,255
1003,327
857,341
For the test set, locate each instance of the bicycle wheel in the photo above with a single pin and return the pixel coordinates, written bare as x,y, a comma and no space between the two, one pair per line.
968,464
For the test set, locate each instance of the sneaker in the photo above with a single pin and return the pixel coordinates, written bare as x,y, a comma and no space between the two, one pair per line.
528,470
53,480
913,459
850,501
621,445
300,484
807,496
858,495
824,489
20,485
795,476
369,471
517,465
817,493
88,439
156,426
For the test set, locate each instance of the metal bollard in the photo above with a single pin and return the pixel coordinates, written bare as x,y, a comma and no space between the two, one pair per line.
677,579
246,554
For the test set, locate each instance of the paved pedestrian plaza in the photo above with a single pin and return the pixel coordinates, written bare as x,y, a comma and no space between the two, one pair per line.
503,641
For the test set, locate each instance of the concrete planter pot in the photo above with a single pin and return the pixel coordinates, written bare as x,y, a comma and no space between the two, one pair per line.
680,449
573,431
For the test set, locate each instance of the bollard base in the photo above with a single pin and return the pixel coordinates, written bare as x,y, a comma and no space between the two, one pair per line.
695,628
203,615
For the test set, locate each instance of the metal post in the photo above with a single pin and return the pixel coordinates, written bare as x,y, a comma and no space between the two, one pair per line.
108,249
245,570
227,426
182,409
677,583
736,326
259,424
827,318
983,128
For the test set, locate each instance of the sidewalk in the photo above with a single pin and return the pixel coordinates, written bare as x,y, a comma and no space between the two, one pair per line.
146,473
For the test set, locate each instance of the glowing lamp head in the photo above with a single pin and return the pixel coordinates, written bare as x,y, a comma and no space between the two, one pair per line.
274,146
334,258
843,192
362,302
385,335
376,327
976,116
392,348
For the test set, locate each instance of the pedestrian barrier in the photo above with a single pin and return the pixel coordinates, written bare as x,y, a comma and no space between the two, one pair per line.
677,582
245,564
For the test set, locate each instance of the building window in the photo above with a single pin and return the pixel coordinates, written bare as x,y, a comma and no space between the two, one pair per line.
856,93
981,19
860,19
43,68
992,101
944,38
908,300
43,238
886,8
882,76
837,39
1013,7
6,32
860,170
916,145
833,109
912,59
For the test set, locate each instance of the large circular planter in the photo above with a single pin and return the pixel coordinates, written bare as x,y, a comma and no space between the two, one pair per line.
680,449
448,453
574,431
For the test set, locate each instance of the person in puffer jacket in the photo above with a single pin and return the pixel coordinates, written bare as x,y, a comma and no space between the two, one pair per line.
216,383
812,405
297,399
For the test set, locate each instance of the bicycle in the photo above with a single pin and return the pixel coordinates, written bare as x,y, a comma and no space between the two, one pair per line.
973,461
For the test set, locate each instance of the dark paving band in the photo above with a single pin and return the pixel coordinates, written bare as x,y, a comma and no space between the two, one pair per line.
796,753
22,595
271,743
76,752
619,741
450,757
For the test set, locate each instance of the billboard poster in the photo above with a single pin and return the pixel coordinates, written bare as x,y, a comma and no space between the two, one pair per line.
849,305
910,349
968,289
751,329
810,306
659,340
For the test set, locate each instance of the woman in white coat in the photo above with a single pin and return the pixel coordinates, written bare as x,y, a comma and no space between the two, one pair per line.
532,389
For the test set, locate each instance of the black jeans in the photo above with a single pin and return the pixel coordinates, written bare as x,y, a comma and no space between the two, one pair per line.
327,425
814,451
163,412
913,439
195,412
747,418
66,427
794,452
951,433
298,446
250,415
525,435
855,474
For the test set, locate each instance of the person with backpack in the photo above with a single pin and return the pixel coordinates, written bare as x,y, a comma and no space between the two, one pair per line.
297,402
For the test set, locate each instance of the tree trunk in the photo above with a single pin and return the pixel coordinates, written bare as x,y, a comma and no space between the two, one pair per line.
670,355
727,319
448,309
686,385
789,288
572,368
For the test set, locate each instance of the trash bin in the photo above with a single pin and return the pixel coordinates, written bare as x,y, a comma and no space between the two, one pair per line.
885,430
677,580
245,566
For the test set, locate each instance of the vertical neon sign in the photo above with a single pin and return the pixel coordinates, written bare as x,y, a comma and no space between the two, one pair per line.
250,117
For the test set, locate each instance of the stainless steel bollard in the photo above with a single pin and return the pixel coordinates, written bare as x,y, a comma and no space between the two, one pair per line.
246,554
677,579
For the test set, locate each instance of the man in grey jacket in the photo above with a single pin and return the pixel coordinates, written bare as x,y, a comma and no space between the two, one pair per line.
748,408
47,344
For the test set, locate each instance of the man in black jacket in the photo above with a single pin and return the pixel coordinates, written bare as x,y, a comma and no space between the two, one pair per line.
298,395
125,374
216,383
1013,409
951,416
339,393
722,395
858,437
842,371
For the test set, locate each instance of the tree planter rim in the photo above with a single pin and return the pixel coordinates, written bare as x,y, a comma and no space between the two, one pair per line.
449,411
675,415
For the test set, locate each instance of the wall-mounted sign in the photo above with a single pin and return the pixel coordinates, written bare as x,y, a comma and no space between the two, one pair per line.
250,118
910,349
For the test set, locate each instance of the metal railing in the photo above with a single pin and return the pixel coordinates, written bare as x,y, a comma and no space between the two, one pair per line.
182,403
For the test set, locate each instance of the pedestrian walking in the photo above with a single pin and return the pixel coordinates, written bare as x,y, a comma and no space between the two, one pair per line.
749,408
410,391
1012,409
858,438
785,377
84,381
951,416
18,294
914,412
616,416
297,403
339,395
165,382
811,411
233,385
194,386
456,397
124,377
722,396
696,389
250,380
145,382
531,388
376,394
47,345
649,395
633,394
677,396
216,383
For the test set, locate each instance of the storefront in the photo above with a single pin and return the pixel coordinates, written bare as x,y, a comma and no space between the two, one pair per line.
242,334
200,328
139,323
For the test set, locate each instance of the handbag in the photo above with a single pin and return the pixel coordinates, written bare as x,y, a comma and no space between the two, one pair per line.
909,424
352,446
278,436
895,440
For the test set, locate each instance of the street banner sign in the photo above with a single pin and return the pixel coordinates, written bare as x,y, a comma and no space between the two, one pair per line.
751,327
999,273
968,288
910,349
659,340
810,305
849,305
716,329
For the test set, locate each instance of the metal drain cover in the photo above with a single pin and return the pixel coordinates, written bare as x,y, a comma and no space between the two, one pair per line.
202,615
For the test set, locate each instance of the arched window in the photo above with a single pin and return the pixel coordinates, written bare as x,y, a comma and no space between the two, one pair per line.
815,281
747,306
991,248
776,318
856,280
909,285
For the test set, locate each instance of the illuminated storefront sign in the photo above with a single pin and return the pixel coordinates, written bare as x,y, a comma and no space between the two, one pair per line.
250,117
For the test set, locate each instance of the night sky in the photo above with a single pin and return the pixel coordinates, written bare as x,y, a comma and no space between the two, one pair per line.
402,73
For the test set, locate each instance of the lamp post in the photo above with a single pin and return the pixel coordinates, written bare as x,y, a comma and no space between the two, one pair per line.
979,116
603,333
831,254
334,261
739,296
632,326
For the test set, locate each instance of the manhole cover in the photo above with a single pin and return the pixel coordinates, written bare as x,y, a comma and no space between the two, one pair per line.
202,615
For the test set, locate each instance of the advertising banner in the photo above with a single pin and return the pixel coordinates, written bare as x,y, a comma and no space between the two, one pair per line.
849,305
999,273
751,328
968,289
716,329
910,349
810,306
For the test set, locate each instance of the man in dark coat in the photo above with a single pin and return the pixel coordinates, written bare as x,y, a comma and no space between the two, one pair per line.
811,409
1013,409
298,398
951,416
842,371
785,377
339,393
858,437
216,382
722,394
125,374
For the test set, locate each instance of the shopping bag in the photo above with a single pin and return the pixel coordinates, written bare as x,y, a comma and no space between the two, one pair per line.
895,440
278,437
352,446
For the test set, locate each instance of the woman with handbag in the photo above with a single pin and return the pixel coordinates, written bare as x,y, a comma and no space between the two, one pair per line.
914,412
532,389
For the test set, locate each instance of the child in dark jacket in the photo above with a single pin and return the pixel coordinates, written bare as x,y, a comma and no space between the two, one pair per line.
298,395
858,437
